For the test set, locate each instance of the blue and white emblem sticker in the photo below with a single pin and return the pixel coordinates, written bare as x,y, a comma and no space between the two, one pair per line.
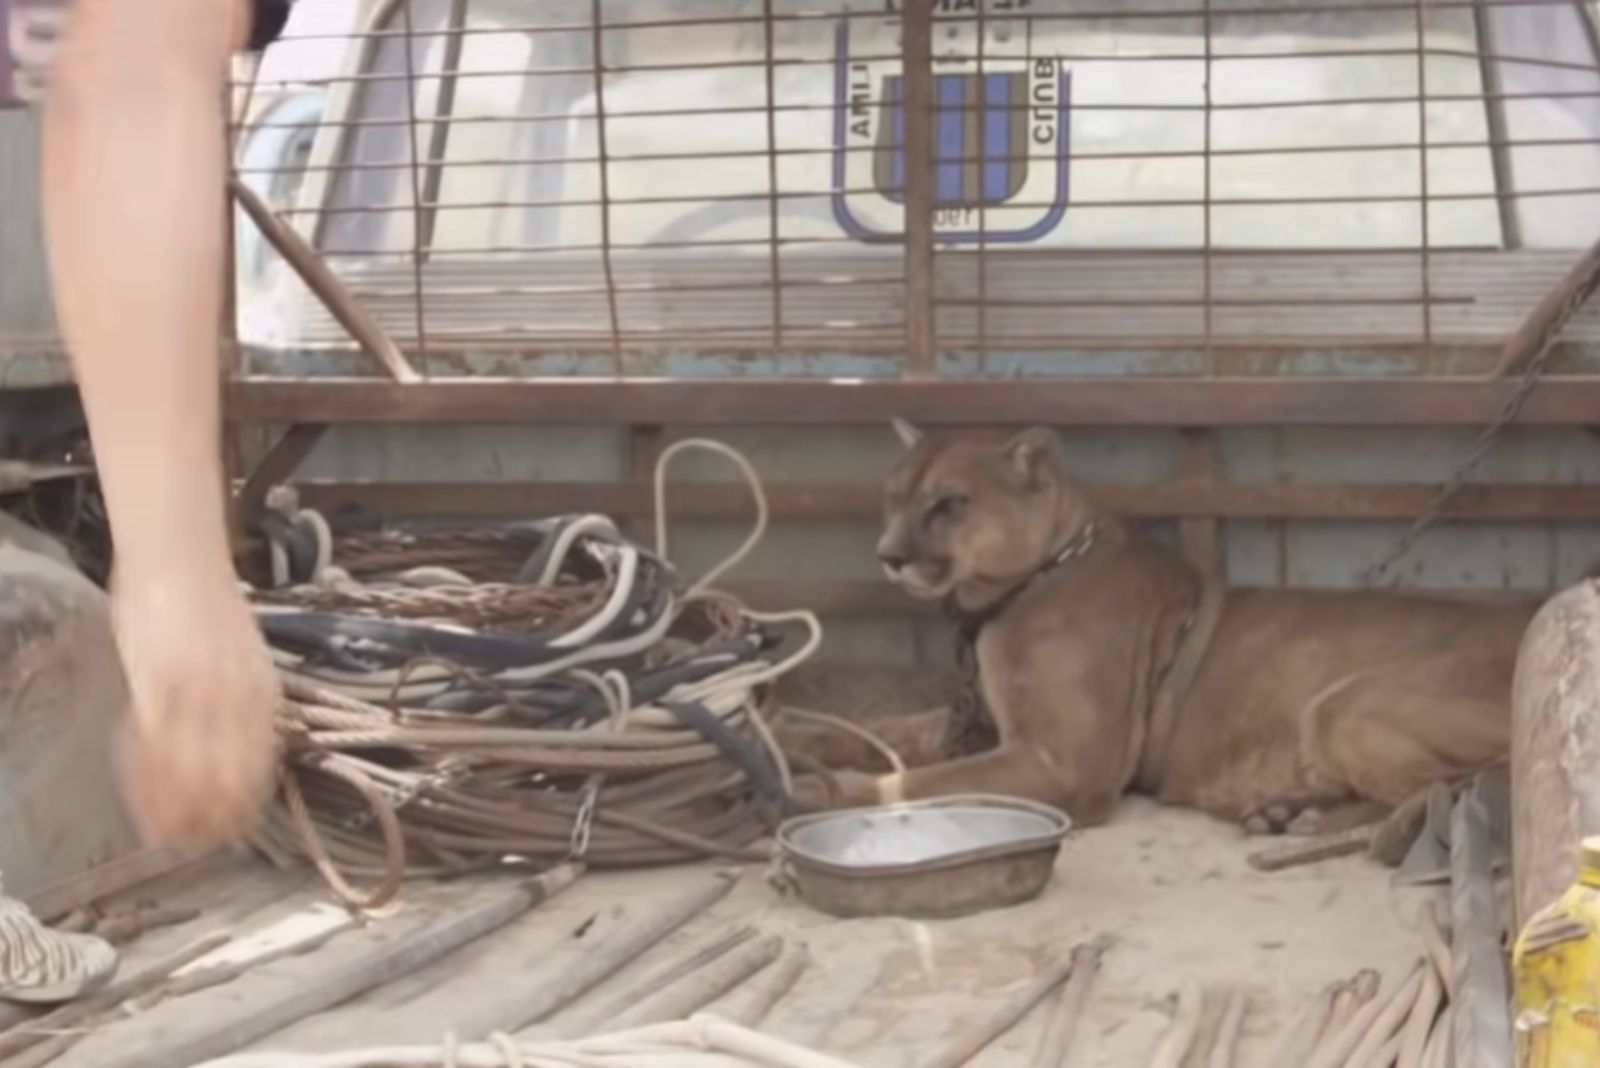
1001,142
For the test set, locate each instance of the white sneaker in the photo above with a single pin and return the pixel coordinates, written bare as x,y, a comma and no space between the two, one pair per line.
39,965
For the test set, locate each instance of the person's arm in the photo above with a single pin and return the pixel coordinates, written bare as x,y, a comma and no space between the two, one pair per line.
134,209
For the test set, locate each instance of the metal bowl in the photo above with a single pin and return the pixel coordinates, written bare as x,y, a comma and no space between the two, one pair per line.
923,859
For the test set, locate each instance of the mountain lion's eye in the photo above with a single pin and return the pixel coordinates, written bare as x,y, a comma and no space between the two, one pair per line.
947,508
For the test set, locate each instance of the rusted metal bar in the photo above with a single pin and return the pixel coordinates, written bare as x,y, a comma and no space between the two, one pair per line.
1589,21
1246,352
1299,851
916,30
219,1022
1174,107
1104,13
419,294
1102,155
1499,139
1055,1041
1205,215
443,123
750,1004
1543,325
1214,402
982,339
346,125
567,71
327,287
754,196
644,449
714,244
962,1048
826,501
688,995
596,1017
276,467
774,232
598,64
568,285
1181,1035
343,131
1424,206
871,599
547,990
1101,14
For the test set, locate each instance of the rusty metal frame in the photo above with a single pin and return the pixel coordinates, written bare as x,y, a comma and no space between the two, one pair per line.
1505,182
327,286
922,355
1189,500
440,126
921,392
1162,402
828,501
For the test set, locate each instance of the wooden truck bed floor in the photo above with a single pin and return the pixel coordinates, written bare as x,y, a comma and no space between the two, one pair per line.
1172,888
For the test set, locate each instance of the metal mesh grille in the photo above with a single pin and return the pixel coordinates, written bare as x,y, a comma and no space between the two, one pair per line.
624,180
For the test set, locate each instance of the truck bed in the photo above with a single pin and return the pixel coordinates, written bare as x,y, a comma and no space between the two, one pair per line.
1172,889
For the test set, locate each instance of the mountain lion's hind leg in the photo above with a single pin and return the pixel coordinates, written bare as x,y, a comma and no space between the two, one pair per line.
1396,732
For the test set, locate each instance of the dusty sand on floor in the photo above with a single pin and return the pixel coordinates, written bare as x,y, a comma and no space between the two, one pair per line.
1174,890
1172,887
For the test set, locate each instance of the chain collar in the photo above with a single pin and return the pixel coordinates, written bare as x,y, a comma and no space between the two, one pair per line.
970,624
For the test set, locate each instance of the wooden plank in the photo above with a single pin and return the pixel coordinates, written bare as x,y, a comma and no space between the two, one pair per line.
1164,402
1480,1009
1297,851
212,1023
825,501
105,880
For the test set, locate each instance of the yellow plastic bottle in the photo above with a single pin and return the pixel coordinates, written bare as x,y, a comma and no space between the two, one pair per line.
1556,968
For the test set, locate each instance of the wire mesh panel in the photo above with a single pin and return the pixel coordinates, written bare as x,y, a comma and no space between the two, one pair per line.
624,180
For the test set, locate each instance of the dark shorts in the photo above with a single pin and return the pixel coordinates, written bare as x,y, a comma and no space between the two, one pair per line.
29,30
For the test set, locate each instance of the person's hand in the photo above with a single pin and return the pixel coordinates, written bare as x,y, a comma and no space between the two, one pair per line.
199,748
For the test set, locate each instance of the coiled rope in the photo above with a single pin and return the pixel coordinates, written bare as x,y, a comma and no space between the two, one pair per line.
458,700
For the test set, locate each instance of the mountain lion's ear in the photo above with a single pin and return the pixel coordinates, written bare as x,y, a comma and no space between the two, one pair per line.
1031,453
908,434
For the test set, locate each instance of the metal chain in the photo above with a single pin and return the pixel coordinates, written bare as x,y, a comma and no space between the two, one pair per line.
449,770
1484,442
